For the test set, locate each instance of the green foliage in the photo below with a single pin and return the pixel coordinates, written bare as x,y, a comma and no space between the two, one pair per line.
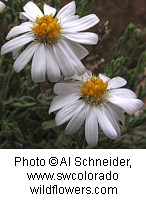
129,61
24,105
84,6
56,4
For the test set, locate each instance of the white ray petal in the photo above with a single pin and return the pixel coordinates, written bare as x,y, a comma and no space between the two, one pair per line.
68,19
53,71
24,16
78,119
66,113
60,88
82,24
32,10
23,28
77,49
110,115
122,92
62,100
129,105
25,57
83,38
73,61
105,124
117,112
38,68
91,127
16,43
2,6
67,10
116,82
63,59
16,52
49,10
104,78
86,76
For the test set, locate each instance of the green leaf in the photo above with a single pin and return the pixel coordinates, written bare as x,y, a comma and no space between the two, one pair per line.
23,102
46,125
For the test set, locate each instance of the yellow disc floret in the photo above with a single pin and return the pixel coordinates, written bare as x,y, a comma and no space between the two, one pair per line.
47,29
94,90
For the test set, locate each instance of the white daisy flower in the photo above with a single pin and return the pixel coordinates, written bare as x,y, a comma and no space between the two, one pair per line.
53,41
97,101
2,6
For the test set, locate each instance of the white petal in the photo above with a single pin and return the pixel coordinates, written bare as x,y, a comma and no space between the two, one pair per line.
60,88
73,78
118,113
127,104
82,24
25,57
68,112
116,82
16,52
67,20
48,10
122,92
38,69
87,75
76,122
84,38
32,10
63,100
16,43
105,123
110,115
104,78
24,16
67,10
72,60
23,28
53,71
63,60
78,49
91,127
2,6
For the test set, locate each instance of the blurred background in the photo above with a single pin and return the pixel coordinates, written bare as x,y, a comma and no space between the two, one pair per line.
118,14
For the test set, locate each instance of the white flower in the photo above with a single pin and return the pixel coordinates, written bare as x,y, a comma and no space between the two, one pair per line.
2,6
53,41
97,101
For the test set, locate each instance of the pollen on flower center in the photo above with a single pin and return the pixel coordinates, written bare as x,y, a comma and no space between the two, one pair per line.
93,91
47,29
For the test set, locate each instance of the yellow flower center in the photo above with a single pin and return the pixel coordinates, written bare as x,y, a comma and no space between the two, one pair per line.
94,90
47,29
